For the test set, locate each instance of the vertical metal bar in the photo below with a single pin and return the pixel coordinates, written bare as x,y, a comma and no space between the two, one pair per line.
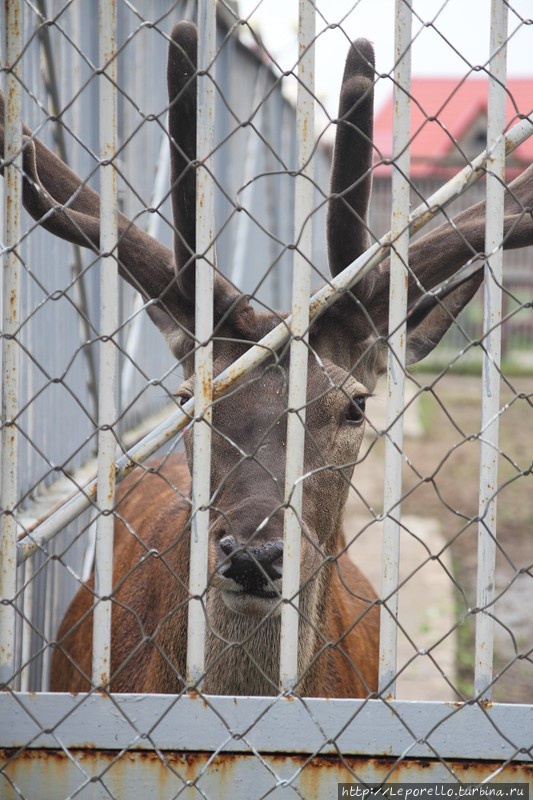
303,232
10,347
108,325
205,232
492,317
396,354
26,633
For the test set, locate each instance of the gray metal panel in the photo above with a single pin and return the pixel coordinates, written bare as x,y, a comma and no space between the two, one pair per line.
270,725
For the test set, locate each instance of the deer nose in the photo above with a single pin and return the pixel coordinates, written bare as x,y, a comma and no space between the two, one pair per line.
252,566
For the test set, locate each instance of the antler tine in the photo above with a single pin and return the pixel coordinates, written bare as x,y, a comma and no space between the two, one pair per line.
53,172
351,179
181,78
438,288
439,254
230,304
430,317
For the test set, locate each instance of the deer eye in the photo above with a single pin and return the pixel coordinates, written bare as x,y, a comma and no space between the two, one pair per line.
355,413
183,396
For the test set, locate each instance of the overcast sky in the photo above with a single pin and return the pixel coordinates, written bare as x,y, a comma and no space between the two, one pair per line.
458,39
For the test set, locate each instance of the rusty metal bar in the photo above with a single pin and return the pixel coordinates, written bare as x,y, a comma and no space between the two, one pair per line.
46,528
299,326
103,565
203,362
399,258
10,345
211,775
492,318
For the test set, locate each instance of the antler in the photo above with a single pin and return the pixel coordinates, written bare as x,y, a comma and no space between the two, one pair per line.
62,204
231,308
181,77
59,201
434,258
439,255
67,207
351,176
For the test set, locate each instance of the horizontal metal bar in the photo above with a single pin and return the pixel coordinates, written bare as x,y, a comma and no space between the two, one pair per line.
319,302
276,776
268,725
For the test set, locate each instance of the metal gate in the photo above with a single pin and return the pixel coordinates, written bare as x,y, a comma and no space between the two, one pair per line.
85,375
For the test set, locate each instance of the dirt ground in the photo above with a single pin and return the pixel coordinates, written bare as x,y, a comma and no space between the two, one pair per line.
439,538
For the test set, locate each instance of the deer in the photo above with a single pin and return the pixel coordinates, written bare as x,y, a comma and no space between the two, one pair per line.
339,611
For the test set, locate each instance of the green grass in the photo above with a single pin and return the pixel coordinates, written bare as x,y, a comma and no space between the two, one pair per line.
465,658
513,367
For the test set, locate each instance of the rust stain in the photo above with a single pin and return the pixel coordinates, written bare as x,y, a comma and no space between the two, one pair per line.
314,778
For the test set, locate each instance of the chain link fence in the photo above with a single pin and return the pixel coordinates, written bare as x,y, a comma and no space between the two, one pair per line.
293,550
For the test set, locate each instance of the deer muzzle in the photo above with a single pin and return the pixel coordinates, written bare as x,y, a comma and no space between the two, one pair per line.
254,567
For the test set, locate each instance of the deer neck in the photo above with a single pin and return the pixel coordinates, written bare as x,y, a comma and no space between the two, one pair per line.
242,652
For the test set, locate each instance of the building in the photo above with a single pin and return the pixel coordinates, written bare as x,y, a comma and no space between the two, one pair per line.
448,129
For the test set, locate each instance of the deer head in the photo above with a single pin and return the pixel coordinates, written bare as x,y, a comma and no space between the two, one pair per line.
347,344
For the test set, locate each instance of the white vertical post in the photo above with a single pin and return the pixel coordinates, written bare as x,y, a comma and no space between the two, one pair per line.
492,318
27,626
396,354
10,347
205,233
108,325
303,232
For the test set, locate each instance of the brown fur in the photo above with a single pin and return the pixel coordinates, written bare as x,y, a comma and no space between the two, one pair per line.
149,617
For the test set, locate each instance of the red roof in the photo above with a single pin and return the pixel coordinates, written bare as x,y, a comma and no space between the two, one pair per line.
444,111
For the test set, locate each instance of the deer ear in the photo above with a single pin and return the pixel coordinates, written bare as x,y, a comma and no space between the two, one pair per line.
431,316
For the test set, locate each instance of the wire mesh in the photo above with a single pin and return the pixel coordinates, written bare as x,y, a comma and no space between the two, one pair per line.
459,471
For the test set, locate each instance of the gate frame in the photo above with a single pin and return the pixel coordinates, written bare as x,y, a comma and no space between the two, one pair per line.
225,726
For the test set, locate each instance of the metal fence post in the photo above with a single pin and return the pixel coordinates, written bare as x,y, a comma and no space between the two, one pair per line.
492,317
10,345
303,232
205,264
108,325
396,353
